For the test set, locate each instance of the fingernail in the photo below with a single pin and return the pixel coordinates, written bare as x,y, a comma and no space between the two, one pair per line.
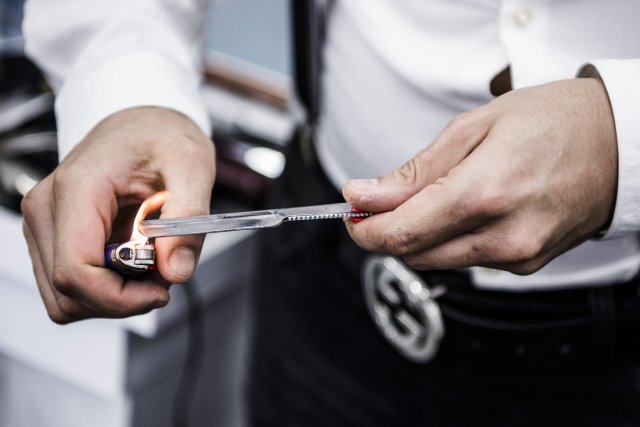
363,185
182,261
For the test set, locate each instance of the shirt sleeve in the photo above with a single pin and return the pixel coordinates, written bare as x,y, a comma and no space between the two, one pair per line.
104,56
621,78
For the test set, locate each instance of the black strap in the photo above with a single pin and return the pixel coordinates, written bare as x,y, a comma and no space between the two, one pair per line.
308,22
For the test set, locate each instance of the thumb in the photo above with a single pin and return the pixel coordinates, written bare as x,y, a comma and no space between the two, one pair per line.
387,192
189,194
451,147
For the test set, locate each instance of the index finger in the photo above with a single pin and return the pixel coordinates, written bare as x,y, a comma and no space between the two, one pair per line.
433,215
82,224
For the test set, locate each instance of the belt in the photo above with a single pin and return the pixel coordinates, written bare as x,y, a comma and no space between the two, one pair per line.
579,327
414,311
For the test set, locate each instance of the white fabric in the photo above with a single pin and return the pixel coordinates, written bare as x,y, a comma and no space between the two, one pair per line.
396,72
621,77
103,56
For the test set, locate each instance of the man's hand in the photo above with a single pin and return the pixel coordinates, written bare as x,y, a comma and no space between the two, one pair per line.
68,217
510,185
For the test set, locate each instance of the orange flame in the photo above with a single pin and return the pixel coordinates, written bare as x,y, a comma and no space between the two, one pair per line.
152,203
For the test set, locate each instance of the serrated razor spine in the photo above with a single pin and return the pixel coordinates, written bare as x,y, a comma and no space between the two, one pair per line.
328,216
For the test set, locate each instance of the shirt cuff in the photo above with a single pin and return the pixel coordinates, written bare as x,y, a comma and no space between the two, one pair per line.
621,79
135,79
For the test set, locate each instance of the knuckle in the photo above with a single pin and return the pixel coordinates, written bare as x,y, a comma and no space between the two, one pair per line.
458,121
190,147
61,179
58,317
416,262
459,125
475,206
70,308
407,173
31,203
197,150
27,204
399,242
416,172
199,154
486,203
524,250
526,268
62,280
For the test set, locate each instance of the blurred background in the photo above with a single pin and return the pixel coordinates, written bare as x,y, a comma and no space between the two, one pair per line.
182,365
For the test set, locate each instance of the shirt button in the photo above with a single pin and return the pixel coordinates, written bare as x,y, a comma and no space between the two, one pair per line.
522,17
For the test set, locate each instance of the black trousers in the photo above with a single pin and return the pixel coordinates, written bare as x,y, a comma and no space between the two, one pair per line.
526,359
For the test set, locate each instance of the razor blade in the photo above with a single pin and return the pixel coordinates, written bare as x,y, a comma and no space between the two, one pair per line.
246,220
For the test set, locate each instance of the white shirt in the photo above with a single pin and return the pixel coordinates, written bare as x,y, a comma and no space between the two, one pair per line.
396,72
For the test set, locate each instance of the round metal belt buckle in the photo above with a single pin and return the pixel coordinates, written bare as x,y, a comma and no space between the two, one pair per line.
403,307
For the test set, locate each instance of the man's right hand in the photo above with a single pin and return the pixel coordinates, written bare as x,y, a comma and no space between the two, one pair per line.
68,217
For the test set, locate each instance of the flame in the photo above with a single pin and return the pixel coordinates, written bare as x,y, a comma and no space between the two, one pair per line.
152,203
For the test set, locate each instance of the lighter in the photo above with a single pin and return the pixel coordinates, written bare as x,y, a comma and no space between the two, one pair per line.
130,258
138,255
